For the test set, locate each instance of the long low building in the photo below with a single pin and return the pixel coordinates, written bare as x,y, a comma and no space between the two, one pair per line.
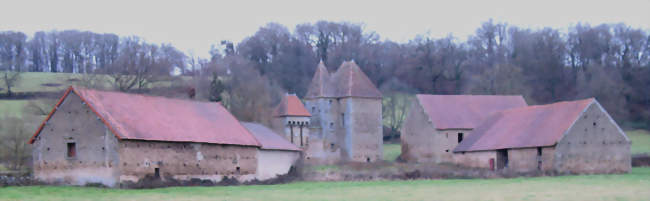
502,132
566,137
115,138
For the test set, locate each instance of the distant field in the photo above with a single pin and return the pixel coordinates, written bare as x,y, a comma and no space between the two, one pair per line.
632,186
640,141
42,81
12,108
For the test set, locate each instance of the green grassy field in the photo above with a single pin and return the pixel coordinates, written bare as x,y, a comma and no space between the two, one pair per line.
36,81
392,151
12,108
632,186
640,141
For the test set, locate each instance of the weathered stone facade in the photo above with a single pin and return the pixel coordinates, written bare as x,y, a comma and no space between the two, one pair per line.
96,157
594,144
185,161
346,121
99,157
591,143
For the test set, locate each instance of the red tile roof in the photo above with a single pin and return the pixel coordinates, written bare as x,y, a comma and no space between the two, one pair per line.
268,138
319,83
139,117
291,106
464,111
533,126
348,81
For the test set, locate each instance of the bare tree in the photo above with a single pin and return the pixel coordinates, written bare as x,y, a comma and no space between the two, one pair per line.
13,142
10,79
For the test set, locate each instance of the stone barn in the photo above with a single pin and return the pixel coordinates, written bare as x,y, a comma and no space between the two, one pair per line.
346,121
565,137
436,124
116,138
277,156
291,119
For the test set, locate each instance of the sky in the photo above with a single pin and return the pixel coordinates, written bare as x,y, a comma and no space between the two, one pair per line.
193,26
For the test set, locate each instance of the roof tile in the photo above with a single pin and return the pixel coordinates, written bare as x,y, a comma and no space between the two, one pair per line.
532,126
465,111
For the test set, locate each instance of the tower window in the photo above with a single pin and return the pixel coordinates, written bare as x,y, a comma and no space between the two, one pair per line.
72,150
343,120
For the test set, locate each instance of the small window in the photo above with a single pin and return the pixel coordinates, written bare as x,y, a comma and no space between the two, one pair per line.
447,150
343,120
72,150
157,173
460,137
594,123
313,109
331,124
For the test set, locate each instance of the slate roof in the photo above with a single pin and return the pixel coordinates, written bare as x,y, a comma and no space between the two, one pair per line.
464,111
532,126
348,81
268,138
140,117
291,106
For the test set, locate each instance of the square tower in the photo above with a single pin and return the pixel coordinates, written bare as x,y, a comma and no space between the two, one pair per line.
346,121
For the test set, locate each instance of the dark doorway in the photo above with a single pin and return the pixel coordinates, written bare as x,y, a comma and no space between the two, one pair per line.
156,173
502,159
72,149
460,137
539,158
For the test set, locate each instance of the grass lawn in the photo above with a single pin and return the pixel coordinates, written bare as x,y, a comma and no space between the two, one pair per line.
45,81
12,108
34,81
632,186
392,151
640,141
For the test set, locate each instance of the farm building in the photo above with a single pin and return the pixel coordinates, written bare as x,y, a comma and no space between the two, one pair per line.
346,121
291,119
276,155
566,137
115,138
436,124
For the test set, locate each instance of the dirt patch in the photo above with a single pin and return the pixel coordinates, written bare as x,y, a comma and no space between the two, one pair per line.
51,84
72,80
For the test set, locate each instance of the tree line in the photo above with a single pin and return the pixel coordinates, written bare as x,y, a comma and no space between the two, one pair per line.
608,61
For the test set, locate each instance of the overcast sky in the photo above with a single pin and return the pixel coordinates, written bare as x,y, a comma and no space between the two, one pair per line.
195,25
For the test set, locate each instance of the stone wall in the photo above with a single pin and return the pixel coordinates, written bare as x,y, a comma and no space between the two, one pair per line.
527,159
95,157
594,144
421,142
185,161
324,140
476,159
361,120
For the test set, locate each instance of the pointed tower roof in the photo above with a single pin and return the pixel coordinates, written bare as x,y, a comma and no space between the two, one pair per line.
291,106
350,81
317,87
